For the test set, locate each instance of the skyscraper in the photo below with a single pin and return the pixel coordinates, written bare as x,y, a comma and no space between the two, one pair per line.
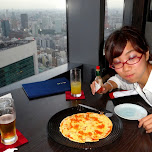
5,27
13,21
34,29
24,21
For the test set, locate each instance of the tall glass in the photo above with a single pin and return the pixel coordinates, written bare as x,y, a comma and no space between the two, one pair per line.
75,78
7,121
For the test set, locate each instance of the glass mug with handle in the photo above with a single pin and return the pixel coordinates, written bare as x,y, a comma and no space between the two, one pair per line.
75,78
7,121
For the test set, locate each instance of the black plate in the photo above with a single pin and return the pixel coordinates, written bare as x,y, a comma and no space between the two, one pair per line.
55,134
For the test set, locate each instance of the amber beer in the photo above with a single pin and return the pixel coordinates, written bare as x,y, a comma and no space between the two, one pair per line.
7,123
7,127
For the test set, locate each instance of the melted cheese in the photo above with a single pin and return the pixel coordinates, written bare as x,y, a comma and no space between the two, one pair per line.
86,127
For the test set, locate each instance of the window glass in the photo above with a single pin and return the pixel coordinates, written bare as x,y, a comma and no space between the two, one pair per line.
33,34
148,29
113,16
150,12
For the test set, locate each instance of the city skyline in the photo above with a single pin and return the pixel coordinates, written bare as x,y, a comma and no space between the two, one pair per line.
46,28
45,31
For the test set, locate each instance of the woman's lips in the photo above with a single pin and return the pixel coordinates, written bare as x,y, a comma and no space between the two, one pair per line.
129,75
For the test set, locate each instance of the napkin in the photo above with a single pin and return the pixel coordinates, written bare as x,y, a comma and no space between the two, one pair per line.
10,149
70,97
21,140
122,93
9,95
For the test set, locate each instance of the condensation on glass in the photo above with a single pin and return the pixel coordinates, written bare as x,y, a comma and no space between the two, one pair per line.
33,30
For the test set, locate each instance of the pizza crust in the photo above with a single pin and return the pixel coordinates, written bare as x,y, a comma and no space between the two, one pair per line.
86,127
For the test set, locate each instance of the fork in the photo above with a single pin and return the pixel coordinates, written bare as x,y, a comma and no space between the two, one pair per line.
91,108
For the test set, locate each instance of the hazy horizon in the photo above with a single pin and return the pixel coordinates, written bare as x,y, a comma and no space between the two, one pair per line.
47,4
32,4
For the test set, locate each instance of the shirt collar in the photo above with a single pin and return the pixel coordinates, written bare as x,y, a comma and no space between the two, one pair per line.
148,85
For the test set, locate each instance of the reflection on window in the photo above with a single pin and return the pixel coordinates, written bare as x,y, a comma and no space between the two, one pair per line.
113,16
35,30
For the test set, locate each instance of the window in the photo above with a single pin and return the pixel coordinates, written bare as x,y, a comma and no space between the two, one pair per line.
113,16
148,29
32,31
16,71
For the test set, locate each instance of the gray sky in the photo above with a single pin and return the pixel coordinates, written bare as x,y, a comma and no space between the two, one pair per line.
31,4
47,4
115,3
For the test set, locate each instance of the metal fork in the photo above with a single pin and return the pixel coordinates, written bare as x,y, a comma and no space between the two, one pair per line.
107,112
88,107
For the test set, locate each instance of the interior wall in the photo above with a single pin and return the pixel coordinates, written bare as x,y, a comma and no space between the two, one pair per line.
83,31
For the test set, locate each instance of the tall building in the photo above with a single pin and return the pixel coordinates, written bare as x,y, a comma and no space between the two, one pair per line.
16,62
24,21
6,14
13,22
34,29
5,28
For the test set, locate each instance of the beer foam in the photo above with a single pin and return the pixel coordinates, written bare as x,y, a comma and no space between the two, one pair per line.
7,118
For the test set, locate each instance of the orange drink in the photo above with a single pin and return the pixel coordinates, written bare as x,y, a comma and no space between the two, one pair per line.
75,78
76,88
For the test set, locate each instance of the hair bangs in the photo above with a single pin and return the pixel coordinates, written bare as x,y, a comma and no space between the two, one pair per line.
120,45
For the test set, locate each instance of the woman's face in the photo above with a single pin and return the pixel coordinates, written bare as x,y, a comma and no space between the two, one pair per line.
132,73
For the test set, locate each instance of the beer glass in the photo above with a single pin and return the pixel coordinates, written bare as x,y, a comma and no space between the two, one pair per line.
7,121
75,78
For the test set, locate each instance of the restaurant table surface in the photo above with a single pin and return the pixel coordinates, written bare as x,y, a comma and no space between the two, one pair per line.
33,116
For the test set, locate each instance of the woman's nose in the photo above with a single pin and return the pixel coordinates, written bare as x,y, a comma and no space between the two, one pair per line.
126,67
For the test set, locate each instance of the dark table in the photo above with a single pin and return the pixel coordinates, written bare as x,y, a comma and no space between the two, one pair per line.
33,116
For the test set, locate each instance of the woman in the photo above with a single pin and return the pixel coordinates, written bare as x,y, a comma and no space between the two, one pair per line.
127,52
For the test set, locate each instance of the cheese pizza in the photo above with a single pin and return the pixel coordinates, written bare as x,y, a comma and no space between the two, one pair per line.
86,127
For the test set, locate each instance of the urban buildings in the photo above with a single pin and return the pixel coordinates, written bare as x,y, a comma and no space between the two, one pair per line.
5,28
45,32
47,29
24,21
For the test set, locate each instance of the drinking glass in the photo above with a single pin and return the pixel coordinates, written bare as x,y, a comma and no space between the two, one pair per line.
7,121
75,78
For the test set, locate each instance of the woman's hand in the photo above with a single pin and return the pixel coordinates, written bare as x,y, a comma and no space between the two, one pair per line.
93,88
105,88
146,122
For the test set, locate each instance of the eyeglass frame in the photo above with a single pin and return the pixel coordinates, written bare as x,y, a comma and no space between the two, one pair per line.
110,66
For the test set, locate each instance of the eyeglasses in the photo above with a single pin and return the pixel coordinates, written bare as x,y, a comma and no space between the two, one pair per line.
131,61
